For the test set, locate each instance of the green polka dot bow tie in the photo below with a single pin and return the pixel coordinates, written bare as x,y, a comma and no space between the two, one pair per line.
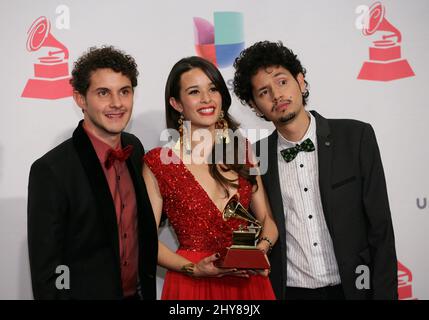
290,153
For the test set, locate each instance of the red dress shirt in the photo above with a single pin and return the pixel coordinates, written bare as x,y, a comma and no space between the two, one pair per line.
124,197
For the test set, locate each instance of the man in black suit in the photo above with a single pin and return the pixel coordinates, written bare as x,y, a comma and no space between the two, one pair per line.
326,187
91,229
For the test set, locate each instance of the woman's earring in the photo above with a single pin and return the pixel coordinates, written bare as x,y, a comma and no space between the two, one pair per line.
179,141
183,136
221,130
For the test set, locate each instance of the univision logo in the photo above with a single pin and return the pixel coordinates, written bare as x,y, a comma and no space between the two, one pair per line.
422,203
222,42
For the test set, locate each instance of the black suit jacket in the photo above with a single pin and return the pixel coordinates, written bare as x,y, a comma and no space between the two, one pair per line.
355,205
72,222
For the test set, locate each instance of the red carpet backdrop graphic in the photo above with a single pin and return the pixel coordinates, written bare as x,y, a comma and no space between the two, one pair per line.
385,62
51,73
405,278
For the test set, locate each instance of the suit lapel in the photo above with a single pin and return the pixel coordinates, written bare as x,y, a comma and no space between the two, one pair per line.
273,181
325,146
134,172
142,199
98,183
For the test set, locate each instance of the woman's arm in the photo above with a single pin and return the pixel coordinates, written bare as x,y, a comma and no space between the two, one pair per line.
166,257
261,208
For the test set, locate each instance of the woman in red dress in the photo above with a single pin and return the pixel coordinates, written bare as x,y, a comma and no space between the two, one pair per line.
193,193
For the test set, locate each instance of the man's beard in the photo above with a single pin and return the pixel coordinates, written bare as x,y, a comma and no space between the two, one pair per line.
288,118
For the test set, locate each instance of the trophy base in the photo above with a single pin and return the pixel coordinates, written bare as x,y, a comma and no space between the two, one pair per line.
244,259
389,71
48,89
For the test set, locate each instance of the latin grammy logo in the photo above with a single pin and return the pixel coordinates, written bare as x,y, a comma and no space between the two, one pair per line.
385,63
51,74
405,279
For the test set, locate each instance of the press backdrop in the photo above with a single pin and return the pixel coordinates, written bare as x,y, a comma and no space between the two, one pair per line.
331,37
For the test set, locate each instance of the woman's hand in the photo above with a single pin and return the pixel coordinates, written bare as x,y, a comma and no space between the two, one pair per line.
265,272
206,268
264,246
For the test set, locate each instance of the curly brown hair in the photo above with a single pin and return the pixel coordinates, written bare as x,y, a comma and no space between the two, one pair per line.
263,54
106,57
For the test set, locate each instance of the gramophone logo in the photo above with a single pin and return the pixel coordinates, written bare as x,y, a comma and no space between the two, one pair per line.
405,278
51,73
220,43
385,62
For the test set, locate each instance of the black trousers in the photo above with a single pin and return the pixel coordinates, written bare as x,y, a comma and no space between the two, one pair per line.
325,293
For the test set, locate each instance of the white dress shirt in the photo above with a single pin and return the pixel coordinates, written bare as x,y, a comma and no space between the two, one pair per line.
311,261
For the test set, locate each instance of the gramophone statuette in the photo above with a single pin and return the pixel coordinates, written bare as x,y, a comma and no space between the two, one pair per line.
243,253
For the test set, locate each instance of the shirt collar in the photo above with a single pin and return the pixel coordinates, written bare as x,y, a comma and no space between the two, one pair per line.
101,148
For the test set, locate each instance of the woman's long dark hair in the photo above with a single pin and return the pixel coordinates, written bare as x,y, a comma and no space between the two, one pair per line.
172,89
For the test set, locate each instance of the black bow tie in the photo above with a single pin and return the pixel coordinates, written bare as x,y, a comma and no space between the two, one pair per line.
290,153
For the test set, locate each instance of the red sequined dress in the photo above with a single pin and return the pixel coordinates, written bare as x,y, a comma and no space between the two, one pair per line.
201,232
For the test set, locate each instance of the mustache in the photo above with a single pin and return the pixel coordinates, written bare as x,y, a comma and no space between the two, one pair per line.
288,101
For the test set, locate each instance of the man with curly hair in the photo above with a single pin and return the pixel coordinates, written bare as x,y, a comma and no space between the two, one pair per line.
326,187
91,230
